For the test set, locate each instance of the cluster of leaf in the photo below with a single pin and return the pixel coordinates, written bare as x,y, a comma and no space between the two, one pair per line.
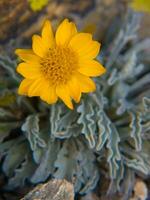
108,132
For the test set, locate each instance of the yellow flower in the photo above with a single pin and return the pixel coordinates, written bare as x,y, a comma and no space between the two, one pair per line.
141,5
60,66
37,5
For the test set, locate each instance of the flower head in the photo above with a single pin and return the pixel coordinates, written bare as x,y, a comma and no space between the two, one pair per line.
59,66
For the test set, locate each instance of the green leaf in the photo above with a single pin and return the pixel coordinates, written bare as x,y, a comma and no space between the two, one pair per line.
46,166
5,114
6,128
136,129
114,153
63,124
9,65
32,133
21,174
86,119
14,157
76,160
7,98
103,130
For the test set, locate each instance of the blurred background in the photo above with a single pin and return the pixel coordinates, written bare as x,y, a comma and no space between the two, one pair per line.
19,20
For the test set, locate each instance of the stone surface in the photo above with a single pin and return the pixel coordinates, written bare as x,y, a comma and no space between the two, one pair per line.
140,191
53,190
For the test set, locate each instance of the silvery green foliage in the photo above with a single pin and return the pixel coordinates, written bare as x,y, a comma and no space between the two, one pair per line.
110,127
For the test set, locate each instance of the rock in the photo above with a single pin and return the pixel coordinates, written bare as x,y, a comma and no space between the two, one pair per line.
140,190
53,190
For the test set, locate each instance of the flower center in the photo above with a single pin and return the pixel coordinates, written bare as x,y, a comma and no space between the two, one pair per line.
59,65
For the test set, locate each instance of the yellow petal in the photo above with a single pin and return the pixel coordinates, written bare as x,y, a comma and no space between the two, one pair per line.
74,89
47,35
38,46
83,44
65,32
63,93
24,86
91,68
28,70
35,88
48,93
85,83
28,55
